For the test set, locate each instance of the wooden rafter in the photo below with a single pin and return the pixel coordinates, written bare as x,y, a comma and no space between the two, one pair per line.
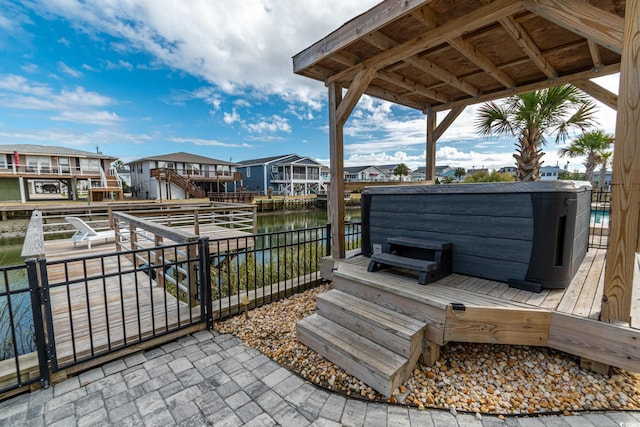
357,88
384,42
590,74
520,36
595,54
477,19
598,92
481,60
411,85
448,121
579,17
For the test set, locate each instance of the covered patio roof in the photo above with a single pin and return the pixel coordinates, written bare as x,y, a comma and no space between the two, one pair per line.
439,55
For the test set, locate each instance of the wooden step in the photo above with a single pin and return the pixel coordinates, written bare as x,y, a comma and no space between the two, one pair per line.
397,332
376,366
403,262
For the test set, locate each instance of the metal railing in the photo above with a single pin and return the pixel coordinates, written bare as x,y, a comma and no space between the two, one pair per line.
22,353
599,220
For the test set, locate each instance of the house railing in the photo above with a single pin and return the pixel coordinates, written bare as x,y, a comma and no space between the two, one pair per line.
60,170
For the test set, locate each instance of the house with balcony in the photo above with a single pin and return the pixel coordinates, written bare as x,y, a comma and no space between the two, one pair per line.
37,172
364,174
181,176
289,174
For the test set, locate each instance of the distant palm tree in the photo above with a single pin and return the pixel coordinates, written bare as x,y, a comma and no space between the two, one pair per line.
401,170
590,144
605,156
459,173
534,115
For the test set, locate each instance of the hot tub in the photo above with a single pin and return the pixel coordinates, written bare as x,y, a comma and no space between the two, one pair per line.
528,234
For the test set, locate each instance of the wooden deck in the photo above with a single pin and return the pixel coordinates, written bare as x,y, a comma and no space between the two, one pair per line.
112,304
471,309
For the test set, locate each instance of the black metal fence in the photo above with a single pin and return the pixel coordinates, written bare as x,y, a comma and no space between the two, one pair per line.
599,222
57,314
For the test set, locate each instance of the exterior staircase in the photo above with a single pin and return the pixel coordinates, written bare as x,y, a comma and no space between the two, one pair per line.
377,345
191,189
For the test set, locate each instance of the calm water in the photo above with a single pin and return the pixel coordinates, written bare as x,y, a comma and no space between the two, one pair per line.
267,223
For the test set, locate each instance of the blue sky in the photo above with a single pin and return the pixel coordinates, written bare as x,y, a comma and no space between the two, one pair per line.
212,77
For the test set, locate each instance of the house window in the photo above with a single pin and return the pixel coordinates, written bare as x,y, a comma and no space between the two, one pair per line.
248,172
3,162
90,165
63,163
274,169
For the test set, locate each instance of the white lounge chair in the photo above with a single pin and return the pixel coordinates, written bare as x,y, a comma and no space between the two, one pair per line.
84,232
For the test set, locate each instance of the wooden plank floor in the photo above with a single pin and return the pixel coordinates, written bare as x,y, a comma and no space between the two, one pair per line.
98,313
581,298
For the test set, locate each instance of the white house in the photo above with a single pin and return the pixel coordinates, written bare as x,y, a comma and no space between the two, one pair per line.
181,176
364,173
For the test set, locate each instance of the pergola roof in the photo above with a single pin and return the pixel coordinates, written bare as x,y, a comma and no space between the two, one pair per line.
439,54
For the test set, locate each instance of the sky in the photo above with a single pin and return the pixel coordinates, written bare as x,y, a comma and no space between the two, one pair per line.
138,78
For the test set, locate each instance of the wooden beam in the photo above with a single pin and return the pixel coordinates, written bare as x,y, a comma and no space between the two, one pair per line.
384,42
589,74
605,343
625,190
395,98
430,169
412,86
370,21
520,36
598,92
582,18
447,121
595,54
356,89
481,60
336,193
478,18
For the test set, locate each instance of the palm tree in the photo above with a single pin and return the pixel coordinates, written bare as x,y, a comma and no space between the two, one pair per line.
459,173
401,170
605,156
590,144
532,117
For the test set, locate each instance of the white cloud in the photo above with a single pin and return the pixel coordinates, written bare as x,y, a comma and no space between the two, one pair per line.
230,44
68,70
208,142
271,124
230,118
95,117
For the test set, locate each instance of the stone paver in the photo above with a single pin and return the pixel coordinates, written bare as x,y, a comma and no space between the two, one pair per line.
212,379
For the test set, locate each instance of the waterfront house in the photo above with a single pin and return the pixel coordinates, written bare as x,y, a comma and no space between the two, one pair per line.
364,174
288,174
550,173
29,171
442,172
181,176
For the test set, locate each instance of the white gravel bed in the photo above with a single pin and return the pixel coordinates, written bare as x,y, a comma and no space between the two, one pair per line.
481,378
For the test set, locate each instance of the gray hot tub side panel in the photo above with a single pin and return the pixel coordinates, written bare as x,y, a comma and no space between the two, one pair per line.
500,231
492,235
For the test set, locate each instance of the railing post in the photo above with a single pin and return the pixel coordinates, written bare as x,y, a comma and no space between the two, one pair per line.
38,298
192,253
328,238
206,303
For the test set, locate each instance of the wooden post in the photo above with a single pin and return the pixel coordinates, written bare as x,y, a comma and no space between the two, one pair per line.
431,354
430,171
625,189
336,194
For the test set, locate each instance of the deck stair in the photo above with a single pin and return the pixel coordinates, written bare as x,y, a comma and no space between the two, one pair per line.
377,345
174,177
